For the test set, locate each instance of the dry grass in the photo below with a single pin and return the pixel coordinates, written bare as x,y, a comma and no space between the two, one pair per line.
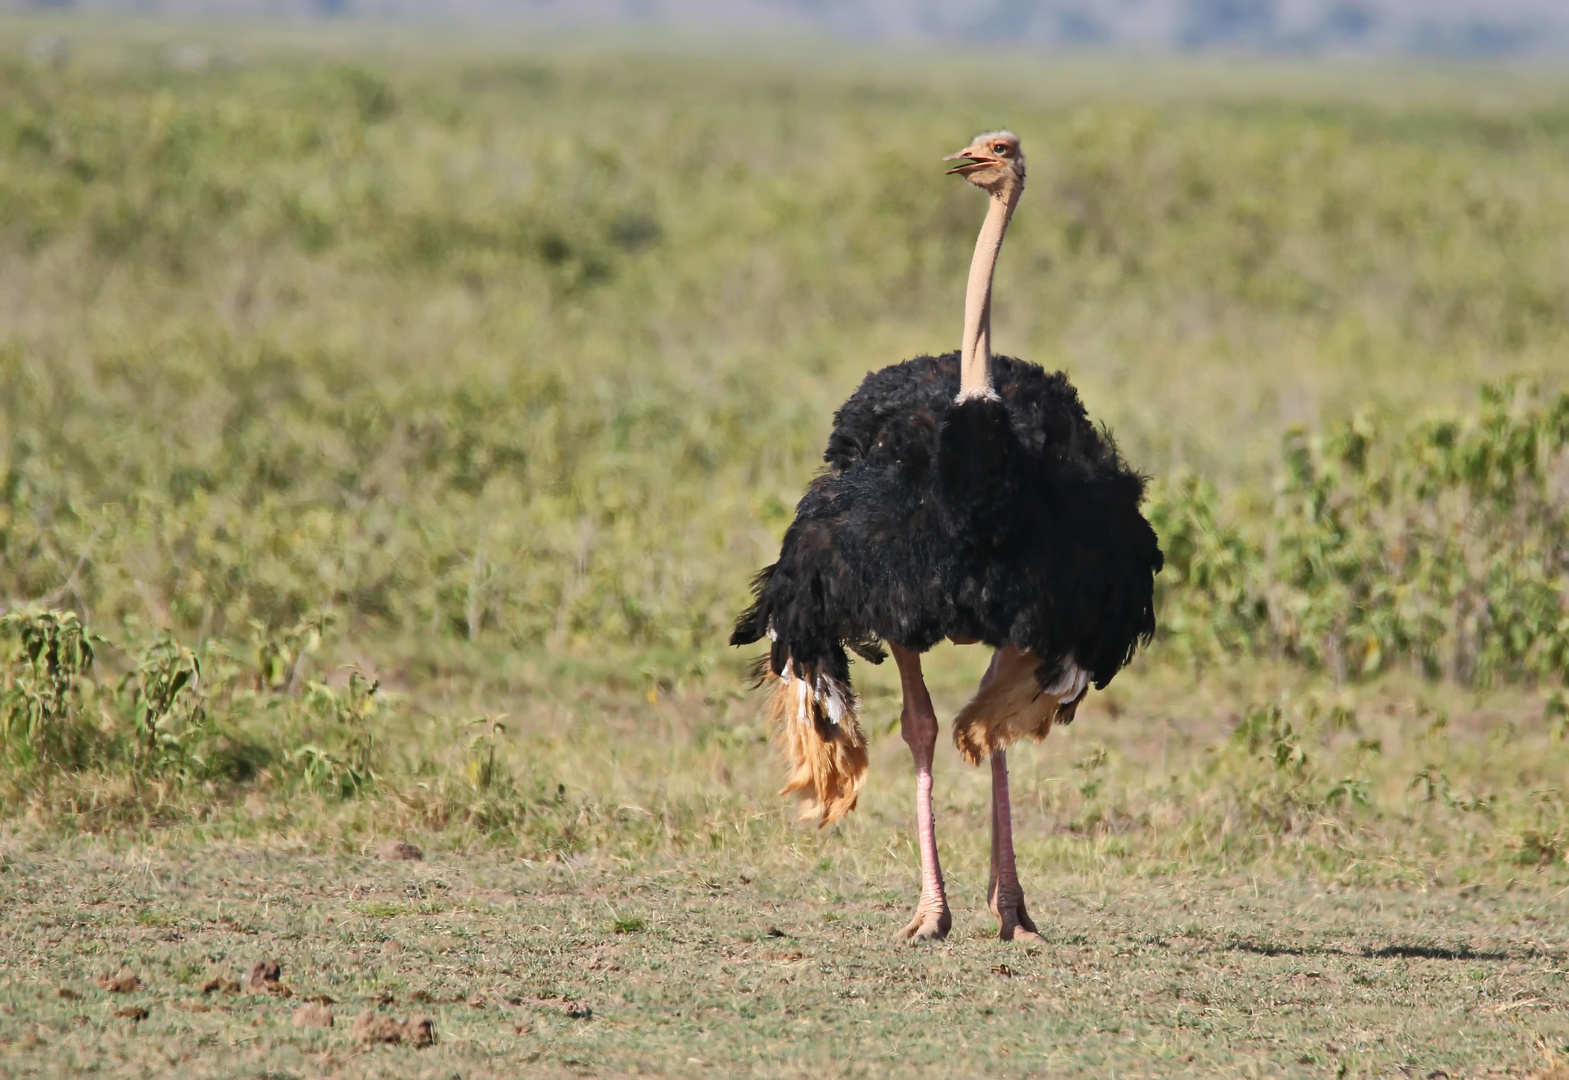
718,967
1206,912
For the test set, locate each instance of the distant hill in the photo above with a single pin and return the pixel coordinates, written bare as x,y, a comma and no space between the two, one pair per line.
1448,27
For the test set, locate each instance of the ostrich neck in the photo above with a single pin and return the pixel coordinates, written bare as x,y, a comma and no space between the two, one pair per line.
975,377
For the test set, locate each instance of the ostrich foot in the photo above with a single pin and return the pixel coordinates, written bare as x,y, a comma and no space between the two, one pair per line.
1014,921
931,923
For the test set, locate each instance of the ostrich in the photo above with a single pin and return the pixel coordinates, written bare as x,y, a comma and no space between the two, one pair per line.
966,496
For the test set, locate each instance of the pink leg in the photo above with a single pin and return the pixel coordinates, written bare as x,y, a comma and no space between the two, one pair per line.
918,725
1003,893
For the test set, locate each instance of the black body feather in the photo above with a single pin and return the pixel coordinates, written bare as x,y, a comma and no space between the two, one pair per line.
1013,520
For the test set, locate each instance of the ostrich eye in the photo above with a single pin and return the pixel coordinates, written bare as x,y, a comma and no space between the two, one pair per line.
1001,148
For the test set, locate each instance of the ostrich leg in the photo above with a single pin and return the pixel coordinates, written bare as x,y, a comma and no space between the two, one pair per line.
1003,894
918,726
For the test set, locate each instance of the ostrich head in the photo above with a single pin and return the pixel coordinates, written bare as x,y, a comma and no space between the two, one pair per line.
994,162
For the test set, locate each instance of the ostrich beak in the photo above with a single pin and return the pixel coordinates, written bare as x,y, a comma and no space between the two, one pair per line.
972,160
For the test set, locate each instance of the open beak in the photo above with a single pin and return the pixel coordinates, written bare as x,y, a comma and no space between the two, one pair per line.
971,159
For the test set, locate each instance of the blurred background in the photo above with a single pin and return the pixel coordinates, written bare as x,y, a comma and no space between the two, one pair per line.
1437,27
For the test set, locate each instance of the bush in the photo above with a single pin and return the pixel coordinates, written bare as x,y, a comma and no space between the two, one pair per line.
48,660
176,715
1444,545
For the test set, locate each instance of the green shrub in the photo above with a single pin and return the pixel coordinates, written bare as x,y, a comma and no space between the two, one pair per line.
168,716
1444,545
339,758
177,715
48,658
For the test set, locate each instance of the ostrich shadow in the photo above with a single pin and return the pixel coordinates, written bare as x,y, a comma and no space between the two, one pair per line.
1386,952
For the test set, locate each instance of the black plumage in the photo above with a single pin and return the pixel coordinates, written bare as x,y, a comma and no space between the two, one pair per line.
1011,519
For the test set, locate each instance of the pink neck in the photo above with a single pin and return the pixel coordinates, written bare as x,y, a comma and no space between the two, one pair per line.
975,379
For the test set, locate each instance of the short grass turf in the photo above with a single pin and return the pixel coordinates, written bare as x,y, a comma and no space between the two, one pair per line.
571,967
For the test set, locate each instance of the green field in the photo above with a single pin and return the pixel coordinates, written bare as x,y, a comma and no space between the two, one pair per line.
390,423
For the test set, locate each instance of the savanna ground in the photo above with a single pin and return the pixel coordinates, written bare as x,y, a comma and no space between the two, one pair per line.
391,423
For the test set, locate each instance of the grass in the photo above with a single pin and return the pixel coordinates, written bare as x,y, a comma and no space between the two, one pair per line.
402,421
731,969
1207,910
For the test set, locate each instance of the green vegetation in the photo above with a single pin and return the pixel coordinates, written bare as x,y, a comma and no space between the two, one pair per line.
540,351
1446,546
387,439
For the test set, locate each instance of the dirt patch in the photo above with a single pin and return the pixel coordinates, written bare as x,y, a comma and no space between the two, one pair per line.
311,1016
399,851
265,977
123,983
373,1028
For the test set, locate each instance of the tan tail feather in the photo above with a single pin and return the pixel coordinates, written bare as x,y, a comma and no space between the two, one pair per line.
826,772
1010,706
